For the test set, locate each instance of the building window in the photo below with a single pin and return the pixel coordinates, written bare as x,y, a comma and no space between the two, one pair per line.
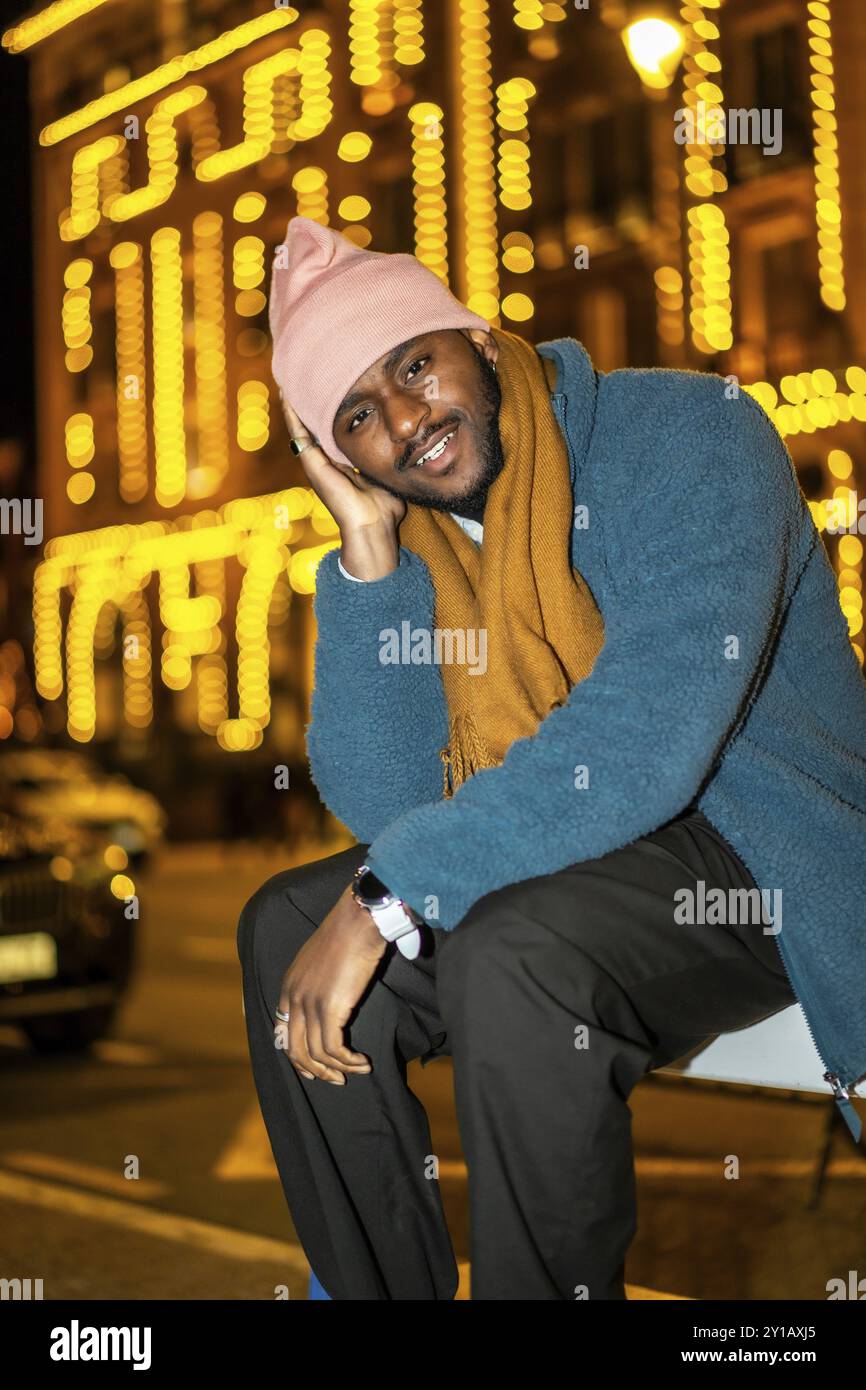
616,147
550,152
772,77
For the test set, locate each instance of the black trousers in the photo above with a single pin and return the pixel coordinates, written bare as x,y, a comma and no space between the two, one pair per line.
553,996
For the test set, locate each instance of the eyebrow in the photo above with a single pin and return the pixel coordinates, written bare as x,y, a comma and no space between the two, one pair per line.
355,397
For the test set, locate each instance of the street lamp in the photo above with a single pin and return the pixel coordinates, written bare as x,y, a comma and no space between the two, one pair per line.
654,43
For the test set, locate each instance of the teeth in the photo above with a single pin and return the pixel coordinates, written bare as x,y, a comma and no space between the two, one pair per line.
435,452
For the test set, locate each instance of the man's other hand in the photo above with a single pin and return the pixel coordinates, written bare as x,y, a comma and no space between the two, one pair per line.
321,988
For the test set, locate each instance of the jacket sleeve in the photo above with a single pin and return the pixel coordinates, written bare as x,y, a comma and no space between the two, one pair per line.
376,729
700,564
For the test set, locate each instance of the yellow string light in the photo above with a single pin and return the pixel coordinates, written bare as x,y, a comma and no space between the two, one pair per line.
209,338
137,678
128,96
84,210
813,400
408,24
47,22
249,207
307,66
114,565
311,187
428,187
168,367
711,308
515,193
512,106
365,58
126,261
80,451
162,157
75,315
828,202
532,15
354,146
476,139
253,416
211,670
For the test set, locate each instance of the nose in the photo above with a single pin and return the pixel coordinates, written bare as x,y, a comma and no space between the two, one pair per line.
405,418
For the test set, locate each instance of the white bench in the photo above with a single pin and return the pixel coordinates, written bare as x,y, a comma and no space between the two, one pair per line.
778,1053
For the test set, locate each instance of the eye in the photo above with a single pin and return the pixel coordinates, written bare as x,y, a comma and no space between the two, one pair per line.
359,414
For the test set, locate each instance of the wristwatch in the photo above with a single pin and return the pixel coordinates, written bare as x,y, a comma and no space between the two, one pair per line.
394,919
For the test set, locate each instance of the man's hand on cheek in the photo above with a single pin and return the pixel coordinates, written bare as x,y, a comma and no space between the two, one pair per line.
321,988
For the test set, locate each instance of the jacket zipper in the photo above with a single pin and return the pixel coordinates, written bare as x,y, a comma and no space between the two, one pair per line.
842,1092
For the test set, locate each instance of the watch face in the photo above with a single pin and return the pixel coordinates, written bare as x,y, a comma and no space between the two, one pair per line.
371,889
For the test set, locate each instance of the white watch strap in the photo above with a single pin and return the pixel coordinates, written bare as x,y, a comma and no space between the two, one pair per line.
396,925
393,921
410,944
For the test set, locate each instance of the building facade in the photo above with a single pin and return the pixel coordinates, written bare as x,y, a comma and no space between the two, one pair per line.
684,196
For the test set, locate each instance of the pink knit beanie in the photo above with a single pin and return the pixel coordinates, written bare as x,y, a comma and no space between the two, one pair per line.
335,309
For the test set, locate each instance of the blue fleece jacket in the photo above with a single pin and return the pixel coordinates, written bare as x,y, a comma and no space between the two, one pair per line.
726,680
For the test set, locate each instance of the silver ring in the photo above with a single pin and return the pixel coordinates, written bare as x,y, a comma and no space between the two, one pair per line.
302,440
284,1018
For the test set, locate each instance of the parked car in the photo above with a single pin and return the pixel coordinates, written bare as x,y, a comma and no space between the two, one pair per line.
45,784
67,931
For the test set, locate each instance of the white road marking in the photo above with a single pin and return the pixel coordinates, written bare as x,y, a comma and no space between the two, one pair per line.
759,1167
126,1054
248,1153
455,1170
85,1174
163,1225
201,1235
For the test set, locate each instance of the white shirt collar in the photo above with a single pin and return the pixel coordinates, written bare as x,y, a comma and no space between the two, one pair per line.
473,529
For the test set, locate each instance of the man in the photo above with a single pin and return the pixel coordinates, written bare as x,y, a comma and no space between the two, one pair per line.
668,712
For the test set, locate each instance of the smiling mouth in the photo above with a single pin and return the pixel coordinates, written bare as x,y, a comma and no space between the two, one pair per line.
436,453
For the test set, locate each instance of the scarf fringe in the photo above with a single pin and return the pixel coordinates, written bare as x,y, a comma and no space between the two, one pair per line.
465,754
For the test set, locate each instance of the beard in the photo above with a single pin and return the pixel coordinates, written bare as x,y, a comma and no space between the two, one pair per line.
490,452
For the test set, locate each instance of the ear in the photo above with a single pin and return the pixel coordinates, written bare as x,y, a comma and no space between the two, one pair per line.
484,342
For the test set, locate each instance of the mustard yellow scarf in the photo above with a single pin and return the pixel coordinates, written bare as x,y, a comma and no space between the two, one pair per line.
529,621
